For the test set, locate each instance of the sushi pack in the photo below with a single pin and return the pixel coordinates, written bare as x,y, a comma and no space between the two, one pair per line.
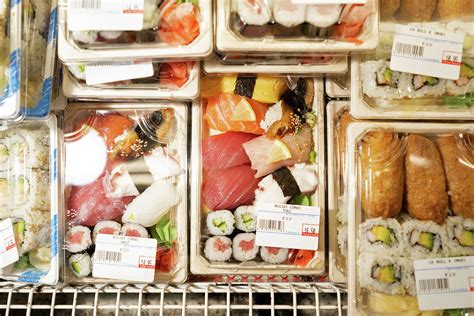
125,176
339,86
410,198
272,26
29,199
256,141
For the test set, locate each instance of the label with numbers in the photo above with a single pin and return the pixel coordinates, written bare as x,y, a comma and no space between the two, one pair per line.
105,73
8,250
445,283
288,226
106,15
329,1
124,258
426,51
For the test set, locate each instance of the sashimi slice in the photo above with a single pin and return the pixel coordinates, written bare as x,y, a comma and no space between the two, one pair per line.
179,23
299,144
229,188
225,150
220,109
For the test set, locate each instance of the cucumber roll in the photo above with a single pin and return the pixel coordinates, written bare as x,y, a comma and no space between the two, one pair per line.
381,236
246,218
80,264
220,223
460,236
424,239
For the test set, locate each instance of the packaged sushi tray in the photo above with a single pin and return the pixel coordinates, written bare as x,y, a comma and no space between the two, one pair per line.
29,217
176,80
410,217
258,148
280,26
38,53
10,42
380,92
147,29
338,86
126,192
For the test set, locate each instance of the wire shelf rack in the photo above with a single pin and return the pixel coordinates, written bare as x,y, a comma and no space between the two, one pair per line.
186,299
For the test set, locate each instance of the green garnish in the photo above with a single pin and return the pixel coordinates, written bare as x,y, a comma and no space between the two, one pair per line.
23,263
303,200
466,100
454,312
311,119
164,232
312,156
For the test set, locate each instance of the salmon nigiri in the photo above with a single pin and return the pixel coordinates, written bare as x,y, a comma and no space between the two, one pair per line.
222,114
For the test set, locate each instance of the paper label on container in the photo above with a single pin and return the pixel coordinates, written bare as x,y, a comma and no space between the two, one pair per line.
329,1
105,73
426,51
107,15
445,283
8,250
288,226
124,258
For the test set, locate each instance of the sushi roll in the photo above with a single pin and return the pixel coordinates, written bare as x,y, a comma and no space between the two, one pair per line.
244,247
78,238
80,264
379,81
4,152
323,15
342,239
246,218
106,227
218,248
274,255
4,195
288,14
425,86
220,223
465,83
110,35
30,190
255,12
379,235
424,239
408,278
460,236
134,230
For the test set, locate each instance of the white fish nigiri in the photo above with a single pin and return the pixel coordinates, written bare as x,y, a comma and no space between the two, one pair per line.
323,15
288,14
255,12
162,165
147,208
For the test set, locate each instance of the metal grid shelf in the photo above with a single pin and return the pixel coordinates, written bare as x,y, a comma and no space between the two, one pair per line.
186,299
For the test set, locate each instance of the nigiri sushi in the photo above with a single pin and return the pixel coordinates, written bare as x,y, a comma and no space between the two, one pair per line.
175,74
351,22
255,12
179,22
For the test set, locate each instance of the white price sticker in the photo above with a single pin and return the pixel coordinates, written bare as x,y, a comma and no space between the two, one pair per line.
445,283
8,250
428,52
125,258
329,1
105,73
284,226
107,15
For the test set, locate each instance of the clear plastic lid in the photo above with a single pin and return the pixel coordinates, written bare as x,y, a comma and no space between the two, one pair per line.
125,175
29,198
411,197
232,180
274,26
169,28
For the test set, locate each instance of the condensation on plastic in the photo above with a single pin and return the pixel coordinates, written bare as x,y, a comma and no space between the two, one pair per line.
372,154
71,51
83,123
234,35
30,193
199,263
163,85
10,42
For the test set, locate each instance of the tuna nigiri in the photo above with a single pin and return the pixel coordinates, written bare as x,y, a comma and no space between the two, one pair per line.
225,150
179,22
220,114
229,188
299,144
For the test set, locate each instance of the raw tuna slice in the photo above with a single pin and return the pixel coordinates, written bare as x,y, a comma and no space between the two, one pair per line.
229,188
299,144
225,150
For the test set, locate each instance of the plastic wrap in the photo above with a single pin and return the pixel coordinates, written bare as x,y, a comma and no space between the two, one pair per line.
280,26
410,197
219,165
176,80
170,28
29,187
126,175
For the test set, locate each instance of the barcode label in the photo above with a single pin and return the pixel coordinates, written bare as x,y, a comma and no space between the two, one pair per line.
108,256
409,50
87,4
433,285
271,225
8,249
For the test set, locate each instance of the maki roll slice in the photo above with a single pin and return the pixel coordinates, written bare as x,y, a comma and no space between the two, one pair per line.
378,235
218,248
424,239
246,218
244,247
220,223
106,227
274,255
134,230
80,264
78,238
460,236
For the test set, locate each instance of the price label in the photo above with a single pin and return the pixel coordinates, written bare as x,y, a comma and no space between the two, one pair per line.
8,250
107,72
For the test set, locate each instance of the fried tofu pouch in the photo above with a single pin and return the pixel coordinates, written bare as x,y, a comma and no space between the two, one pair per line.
448,9
417,10
425,182
388,8
459,169
382,174
341,129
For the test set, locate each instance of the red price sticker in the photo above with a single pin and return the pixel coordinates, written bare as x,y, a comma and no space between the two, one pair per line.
8,250
146,263
310,230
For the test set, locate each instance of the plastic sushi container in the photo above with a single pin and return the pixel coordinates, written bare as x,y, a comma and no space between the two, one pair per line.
29,197
170,28
220,64
126,179
338,86
10,41
223,222
410,199
278,26
412,96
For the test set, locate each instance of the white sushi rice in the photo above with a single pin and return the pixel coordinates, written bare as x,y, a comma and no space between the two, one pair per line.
411,231
83,262
368,242
86,37
436,90
134,227
342,239
244,255
110,35
222,216
369,70
342,209
249,211
86,240
288,14
247,11
323,15
218,248
455,225
453,89
274,255
106,224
